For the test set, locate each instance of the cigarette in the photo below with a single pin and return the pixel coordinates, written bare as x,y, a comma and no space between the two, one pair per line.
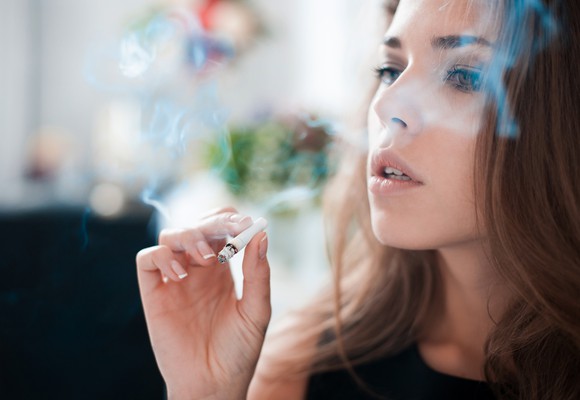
239,242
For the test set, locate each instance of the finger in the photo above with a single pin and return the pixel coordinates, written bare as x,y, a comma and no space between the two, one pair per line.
255,302
194,241
155,262
178,269
191,241
203,254
220,226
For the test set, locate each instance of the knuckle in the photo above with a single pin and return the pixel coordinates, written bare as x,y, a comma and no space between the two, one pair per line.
190,236
228,210
218,219
165,234
161,254
164,252
141,255
152,257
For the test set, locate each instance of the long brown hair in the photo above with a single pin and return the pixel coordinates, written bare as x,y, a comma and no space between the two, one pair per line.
531,201
526,172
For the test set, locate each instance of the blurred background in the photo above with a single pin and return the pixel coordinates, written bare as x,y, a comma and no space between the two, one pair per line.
118,118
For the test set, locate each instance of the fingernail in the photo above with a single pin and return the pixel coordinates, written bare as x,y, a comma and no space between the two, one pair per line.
241,220
178,269
205,251
237,217
246,219
263,247
165,279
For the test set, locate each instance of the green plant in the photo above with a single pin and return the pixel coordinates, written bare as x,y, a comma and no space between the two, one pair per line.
261,160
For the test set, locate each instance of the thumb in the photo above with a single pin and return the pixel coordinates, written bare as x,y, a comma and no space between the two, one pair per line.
255,301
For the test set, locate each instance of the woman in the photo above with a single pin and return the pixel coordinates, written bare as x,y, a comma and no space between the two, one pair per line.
455,239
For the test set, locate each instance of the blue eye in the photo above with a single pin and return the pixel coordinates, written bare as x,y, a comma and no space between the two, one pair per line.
386,74
465,79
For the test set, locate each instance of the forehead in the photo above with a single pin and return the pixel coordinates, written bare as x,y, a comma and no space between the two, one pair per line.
444,17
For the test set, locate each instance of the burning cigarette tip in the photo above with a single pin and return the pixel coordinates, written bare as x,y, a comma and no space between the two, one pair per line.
239,242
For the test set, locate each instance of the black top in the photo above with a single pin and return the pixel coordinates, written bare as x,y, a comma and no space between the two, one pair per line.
401,377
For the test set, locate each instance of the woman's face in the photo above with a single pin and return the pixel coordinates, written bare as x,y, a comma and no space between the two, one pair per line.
423,122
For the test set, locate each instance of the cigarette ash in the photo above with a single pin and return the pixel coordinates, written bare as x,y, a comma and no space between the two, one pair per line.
226,253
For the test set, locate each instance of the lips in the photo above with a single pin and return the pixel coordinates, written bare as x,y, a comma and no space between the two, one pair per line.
388,165
390,176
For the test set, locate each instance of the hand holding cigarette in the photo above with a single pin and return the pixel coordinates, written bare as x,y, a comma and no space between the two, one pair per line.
195,313
239,242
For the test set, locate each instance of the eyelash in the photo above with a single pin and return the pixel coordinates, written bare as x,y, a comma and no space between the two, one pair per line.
463,78
471,75
381,70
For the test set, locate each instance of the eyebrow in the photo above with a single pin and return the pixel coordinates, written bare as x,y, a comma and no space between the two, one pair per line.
442,42
455,41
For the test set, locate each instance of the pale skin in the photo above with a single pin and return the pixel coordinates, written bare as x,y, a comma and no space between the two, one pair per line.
432,124
207,343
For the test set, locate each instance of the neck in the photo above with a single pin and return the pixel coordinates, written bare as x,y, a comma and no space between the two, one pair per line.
471,299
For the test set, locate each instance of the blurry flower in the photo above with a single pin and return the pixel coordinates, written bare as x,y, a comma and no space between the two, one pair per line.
310,134
202,51
234,20
266,158
201,35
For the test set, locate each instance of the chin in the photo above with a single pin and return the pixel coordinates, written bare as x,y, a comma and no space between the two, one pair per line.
414,234
391,234
400,241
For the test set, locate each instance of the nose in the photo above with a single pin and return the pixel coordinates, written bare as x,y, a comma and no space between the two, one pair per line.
399,121
397,111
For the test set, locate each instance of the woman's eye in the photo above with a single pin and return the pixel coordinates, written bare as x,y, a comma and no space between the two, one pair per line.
386,74
464,78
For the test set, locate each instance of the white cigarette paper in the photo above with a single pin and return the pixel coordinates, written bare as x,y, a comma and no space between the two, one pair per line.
239,242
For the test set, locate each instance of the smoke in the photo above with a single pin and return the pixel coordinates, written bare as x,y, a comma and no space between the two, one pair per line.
165,72
528,28
135,59
163,75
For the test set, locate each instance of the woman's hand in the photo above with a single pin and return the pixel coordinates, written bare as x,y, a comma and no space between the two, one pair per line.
206,342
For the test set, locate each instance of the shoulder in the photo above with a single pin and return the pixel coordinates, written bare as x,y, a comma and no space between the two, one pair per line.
271,379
